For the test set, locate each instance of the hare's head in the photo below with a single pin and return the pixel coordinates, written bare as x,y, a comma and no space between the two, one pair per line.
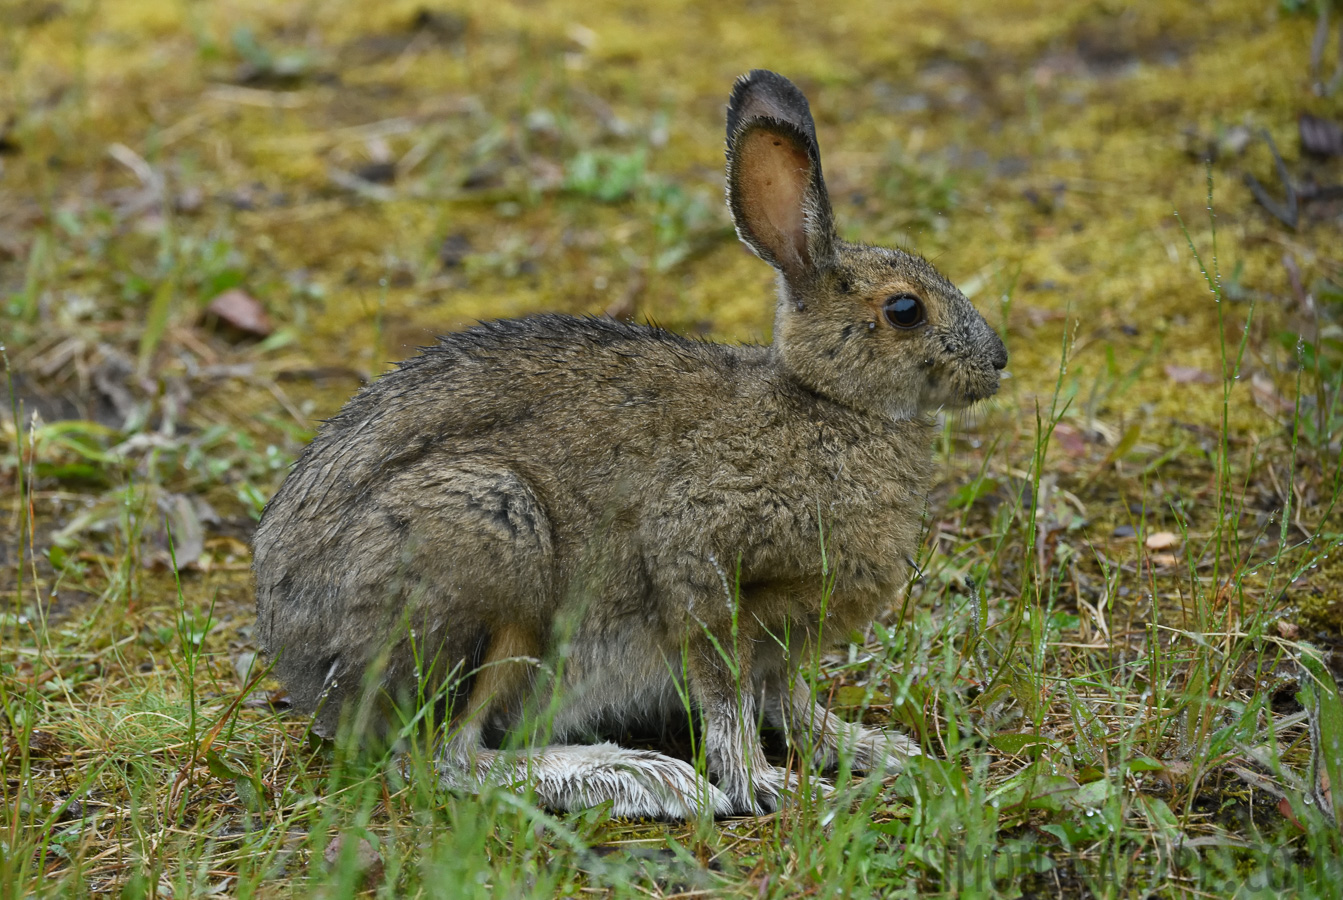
870,327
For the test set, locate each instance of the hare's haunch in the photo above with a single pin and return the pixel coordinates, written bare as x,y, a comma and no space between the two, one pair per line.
579,523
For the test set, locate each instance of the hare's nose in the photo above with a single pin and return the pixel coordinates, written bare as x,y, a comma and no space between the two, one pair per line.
1000,356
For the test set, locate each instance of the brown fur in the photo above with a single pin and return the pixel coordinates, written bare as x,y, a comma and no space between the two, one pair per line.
606,501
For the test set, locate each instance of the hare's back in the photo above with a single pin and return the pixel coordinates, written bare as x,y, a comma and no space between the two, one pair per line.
590,361
546,388
551,378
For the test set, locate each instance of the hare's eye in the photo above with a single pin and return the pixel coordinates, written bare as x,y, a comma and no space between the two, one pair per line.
904,311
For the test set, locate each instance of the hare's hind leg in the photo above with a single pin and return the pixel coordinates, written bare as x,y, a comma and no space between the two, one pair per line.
808,724
638,783
480,559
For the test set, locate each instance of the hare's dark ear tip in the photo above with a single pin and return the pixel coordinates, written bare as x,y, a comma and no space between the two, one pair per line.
761,93
761,79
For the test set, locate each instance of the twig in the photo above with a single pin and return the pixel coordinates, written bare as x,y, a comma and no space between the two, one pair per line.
1288,214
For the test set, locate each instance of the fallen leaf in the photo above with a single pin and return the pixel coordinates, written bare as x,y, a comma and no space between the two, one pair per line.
1289,630
1188,375
242,312
186,530
1162,540
245,664
1070,439
1319,137
1038,316
1267,396
1173,773
186,516
41,745
276,699
367,861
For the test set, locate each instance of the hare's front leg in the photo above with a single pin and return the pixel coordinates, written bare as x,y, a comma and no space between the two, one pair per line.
721,685
810,726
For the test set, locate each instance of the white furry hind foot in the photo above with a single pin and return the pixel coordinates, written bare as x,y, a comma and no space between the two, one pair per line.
638,783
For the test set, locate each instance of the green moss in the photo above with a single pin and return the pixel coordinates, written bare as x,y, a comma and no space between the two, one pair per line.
1319,598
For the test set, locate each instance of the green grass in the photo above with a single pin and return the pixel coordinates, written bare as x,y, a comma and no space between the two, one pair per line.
1110,655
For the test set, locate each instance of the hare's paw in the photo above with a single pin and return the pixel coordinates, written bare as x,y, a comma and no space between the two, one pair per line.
767,787
788,782
878,751
660,787
637,783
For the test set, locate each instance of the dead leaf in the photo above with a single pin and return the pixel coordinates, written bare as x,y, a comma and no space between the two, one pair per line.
1162,540
245,665
1173,774
41,745
1289,630
276,699
242,312
1038,316
1267,396
1070,439
186,516
1320,138
367,860
546,176
1188,375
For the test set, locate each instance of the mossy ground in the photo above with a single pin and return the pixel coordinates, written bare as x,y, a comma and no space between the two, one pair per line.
375,174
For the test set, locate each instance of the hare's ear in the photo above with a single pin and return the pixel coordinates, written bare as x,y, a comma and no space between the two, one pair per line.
774,184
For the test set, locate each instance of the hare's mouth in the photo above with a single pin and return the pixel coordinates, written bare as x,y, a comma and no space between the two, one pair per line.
984,391
962,389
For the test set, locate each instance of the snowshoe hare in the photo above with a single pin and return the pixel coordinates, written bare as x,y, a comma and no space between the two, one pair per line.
604,522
